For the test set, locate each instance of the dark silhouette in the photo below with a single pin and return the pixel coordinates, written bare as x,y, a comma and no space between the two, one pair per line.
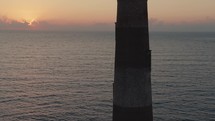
132,99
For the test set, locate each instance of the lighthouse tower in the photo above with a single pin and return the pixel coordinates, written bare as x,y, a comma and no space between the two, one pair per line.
132,98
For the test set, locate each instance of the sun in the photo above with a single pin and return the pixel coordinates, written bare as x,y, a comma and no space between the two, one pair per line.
31,22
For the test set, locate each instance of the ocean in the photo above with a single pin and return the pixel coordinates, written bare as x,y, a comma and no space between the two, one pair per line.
68,76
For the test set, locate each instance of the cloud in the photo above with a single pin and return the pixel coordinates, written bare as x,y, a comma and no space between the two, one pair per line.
10,24
45,25
155,22
206,24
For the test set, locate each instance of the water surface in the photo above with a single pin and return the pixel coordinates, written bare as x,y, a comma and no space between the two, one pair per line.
68,76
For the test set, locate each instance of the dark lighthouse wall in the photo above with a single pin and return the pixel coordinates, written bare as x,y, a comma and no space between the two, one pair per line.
132,99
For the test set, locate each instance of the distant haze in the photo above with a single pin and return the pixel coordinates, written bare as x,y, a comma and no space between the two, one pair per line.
164,15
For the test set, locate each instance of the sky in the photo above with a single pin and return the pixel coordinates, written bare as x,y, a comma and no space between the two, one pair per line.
164,15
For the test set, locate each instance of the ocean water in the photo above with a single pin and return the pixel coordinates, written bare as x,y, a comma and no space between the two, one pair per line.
68,76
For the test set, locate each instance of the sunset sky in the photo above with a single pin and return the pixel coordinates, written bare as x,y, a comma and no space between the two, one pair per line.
164,15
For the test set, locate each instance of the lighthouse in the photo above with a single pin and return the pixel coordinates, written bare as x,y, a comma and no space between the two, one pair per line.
132,96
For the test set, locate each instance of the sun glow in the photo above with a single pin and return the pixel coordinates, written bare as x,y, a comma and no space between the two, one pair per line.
31,23
73,14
